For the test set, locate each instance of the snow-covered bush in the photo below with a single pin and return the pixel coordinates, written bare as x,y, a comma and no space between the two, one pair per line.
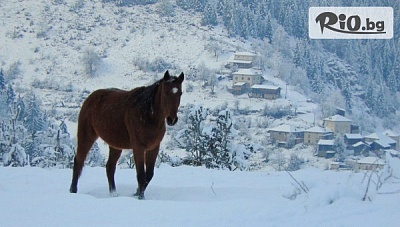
91,61
15,157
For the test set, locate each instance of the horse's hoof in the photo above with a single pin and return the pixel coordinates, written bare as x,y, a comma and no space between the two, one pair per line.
114,194
73,190
140,196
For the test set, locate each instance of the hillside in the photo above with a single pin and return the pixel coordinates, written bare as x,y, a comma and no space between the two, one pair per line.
60,51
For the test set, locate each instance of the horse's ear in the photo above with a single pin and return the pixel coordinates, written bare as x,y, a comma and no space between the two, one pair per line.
166,76
181,78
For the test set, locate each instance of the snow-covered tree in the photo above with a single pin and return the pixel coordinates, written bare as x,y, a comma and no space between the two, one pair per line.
192,138
16,156
95,158
210,14
2,81
219,155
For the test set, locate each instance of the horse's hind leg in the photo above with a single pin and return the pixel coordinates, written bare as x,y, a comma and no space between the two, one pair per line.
86,138
110,168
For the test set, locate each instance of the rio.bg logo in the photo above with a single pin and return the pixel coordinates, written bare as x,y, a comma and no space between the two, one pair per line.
350,22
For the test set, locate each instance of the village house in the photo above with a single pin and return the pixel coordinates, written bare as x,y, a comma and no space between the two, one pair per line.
314,134
350,139
361,148
338,124
248,76
286,135
380,141
238,88
242,59
265,91
326,148
393,136
369,163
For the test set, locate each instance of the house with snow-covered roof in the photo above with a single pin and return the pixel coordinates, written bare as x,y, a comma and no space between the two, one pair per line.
326,148
350,139
242,59
338,124
314,134
284,134
248,76
361,148
394,136
380,141
369,163
265,91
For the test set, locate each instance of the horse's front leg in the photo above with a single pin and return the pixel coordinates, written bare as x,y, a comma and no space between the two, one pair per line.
138,155
149,157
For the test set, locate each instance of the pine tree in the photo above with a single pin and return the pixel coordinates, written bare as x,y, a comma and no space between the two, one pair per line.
34,119
192,138
95,158
2,81
220,155
210,14
10,95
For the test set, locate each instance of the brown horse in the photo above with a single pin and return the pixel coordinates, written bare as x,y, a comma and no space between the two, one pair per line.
128,120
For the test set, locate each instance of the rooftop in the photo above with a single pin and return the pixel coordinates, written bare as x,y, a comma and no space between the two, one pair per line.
337,118
326,142
250,72
284,128
318,129
264,86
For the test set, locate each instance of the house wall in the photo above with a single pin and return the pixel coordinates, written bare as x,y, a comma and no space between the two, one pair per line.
367,166
244,57
278,136
311,138
338,126
397,139
249,79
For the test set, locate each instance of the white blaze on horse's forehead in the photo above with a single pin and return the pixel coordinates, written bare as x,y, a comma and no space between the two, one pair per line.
175,90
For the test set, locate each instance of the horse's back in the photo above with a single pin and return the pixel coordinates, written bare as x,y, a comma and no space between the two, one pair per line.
103,112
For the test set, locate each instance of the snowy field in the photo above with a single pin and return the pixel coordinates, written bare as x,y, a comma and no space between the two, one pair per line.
188,196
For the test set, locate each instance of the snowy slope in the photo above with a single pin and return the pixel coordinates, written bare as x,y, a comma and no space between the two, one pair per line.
188,196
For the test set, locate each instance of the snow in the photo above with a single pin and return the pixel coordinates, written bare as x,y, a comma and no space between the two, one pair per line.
190,196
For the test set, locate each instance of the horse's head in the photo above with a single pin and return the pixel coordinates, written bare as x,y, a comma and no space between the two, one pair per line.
171,96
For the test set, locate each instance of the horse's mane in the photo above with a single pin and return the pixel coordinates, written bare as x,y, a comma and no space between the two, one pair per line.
143,97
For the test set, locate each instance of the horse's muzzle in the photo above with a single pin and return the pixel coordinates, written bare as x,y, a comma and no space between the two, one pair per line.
172,121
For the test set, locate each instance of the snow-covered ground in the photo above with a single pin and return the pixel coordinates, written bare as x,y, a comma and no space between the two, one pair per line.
189,196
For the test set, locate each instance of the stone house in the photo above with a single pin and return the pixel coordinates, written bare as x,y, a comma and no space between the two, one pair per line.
369,163
242,59
380,141
338,124
265,91
393,136
314,134
248,76
361,148
326,148
285,134
350,139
